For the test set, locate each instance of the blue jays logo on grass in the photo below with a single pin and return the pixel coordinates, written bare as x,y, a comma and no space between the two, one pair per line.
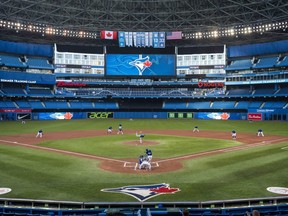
141,64
143,192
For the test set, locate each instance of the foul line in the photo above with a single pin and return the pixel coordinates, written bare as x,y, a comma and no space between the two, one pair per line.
63,151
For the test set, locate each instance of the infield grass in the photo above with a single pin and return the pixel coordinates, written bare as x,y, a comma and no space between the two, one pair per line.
37,174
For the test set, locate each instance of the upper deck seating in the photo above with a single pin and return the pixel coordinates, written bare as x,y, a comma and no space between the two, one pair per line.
23,104
36,104
274,104
13,91
239,92
241,64
56,105
40,91
283,63
11,61
283,91
255,104
266,62
38,63
223,105
106,105
7,104
199,105
174,105
264,91
242,105
81,105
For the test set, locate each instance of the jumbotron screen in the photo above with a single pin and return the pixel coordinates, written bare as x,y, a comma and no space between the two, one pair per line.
140,65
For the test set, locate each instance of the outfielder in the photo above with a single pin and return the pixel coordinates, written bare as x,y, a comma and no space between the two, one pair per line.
141,136
260,133
196,129
39,134
233,134
110,130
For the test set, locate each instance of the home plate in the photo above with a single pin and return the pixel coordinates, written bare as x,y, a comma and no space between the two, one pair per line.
278,190
15,142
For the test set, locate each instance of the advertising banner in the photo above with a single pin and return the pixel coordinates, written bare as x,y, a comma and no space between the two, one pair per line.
180,115
220,116
23,116
99,115
254,116
60,115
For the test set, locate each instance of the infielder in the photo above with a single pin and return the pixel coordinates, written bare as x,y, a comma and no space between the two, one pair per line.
233,134
110,130
260,133
149,154
196,129
120,129
144,163
39,134
141,136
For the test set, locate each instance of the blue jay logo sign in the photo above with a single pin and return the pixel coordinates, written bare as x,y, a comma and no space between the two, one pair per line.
143,192
141,64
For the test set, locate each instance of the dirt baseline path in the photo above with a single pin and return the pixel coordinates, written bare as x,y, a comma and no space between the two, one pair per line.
128,165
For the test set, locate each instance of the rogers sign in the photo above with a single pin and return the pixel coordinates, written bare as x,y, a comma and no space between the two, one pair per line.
70,84
210,85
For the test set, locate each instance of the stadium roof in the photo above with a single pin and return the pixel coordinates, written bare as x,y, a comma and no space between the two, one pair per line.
194,18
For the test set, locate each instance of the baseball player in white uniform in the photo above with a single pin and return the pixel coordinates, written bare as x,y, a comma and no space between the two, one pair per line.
120,129
39,134
140,135
196,129
233,134
144,163
260,133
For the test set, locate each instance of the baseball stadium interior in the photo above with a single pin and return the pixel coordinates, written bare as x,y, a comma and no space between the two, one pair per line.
144,59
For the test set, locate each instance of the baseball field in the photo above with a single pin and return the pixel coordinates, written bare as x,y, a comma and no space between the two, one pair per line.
76,159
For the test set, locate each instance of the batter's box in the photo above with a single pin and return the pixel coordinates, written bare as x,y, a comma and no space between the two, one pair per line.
133,164
130,164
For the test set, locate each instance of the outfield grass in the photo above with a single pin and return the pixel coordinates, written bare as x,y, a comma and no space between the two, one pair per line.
37,174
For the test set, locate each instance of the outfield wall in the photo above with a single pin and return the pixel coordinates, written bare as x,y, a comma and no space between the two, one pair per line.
252,115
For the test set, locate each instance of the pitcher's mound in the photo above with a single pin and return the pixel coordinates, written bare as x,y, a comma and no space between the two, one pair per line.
145,143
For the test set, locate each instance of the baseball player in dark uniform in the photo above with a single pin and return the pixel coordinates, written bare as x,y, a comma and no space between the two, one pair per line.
149,154
233,134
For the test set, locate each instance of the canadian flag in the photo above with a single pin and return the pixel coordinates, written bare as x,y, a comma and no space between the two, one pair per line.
112,35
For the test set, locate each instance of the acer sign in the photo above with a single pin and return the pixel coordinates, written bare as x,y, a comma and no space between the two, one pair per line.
254,116
210,84
70,84
100,115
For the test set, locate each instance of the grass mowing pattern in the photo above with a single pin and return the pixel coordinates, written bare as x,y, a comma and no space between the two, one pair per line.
38,174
